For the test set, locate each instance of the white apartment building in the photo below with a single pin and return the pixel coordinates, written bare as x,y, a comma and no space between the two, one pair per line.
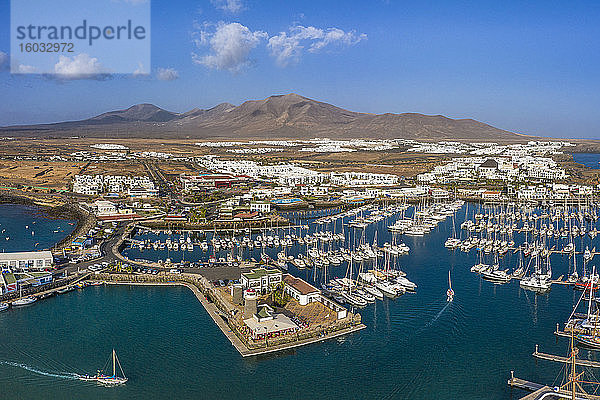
310,190
260,206
137,186
508,169
284,174
362,179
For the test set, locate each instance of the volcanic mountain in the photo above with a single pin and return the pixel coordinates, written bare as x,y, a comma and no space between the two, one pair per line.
282,116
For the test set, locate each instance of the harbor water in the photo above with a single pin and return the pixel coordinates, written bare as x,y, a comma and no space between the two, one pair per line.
26,228
417,346
591,160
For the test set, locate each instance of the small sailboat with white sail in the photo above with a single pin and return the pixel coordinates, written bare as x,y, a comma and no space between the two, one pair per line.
449,292
105,379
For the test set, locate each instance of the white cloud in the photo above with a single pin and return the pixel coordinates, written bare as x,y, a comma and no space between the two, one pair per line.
337,36
26,69
81,66
16,67
287,47
230,45
232,6
167,74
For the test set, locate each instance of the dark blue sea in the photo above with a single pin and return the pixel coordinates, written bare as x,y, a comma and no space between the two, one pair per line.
591,160
27,228
417,346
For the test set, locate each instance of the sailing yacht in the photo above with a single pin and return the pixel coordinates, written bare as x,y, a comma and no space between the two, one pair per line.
538,282
113,379
347,293
449,292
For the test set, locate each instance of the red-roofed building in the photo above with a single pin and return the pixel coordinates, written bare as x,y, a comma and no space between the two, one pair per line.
246,215
300,290
205,181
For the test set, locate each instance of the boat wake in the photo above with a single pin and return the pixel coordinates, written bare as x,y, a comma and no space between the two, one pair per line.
427,325
60,375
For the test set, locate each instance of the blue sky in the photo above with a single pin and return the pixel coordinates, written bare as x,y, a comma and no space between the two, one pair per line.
531,67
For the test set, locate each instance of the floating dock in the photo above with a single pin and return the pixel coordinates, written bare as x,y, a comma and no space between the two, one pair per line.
565,360
540,391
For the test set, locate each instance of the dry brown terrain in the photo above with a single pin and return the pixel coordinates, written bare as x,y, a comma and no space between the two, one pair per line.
17,169
51,174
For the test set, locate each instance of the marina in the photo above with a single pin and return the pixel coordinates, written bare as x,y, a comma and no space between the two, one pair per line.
480,304
236,199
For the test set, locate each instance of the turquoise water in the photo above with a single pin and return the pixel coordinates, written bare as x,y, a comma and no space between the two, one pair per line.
591,160
417,346
24,228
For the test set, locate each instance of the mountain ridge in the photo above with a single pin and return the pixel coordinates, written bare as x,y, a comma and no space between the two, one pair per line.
286,116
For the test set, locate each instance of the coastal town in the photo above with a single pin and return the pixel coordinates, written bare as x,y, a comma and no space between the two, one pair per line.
258,240
235,199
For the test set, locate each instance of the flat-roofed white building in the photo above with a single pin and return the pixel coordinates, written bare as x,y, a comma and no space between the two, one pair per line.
26,260
260,206
104,207
261,280
267,324
300,290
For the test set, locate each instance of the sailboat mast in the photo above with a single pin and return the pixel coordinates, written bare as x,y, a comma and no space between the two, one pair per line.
591,291
114,363
572,367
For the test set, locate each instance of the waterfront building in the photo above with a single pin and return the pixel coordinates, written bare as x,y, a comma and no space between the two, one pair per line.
108,211
514,168
262,280
300,290
26,260
491,195
265,323
104,207
310,190
8,283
